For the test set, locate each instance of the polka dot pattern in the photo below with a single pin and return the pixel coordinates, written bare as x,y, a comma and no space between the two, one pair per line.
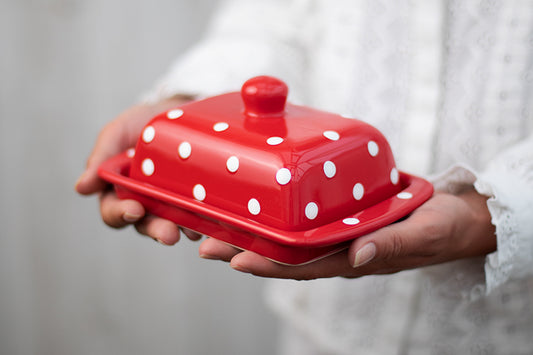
173,114
254,207
130,153
358,191
274,140
394,176
283,176
198,192
331,135
220,127
232,164
185,150
329,169
373,148
404,195
311,210
147,167
148,134
350,221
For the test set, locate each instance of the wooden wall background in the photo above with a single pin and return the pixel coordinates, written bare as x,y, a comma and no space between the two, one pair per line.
68,284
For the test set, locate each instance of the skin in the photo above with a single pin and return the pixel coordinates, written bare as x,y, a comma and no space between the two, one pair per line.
117,136
447,227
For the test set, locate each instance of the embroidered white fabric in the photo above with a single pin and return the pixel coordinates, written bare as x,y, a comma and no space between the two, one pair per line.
450,85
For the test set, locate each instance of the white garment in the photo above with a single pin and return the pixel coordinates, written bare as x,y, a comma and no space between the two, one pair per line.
450,84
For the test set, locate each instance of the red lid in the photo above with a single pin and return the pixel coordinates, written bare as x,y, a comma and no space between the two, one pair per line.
254,155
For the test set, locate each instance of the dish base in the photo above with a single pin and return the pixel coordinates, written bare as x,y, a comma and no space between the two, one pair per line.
284,247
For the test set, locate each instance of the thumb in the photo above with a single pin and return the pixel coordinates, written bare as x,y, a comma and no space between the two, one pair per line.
395,246
106,146
117,136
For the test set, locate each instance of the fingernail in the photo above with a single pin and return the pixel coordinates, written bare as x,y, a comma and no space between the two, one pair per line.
209,256
160,241
365,254
130,217
240,268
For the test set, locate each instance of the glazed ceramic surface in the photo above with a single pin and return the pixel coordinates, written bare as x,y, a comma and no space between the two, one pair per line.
289,182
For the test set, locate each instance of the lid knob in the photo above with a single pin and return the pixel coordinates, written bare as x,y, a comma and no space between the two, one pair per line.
264,96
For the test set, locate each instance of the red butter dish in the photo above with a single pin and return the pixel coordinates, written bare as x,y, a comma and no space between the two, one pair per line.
291,183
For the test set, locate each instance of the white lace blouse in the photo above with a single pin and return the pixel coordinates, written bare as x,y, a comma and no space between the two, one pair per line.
450,84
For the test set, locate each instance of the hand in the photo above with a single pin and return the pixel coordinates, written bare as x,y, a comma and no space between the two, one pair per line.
117,136
445,228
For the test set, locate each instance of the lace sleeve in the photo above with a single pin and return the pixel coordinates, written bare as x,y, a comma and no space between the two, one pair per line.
508,181
245,38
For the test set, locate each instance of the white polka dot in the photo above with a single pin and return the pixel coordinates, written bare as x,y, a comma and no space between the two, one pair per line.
358,191
311,210
394,176
350,221
184,150
330,169
198,191
173,114
274,140
147,167
254,207
331,135
220,126
283,176
373,148
232,164
130,153
148,134
405,195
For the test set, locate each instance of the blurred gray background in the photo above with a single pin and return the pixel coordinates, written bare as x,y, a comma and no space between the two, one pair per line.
68,283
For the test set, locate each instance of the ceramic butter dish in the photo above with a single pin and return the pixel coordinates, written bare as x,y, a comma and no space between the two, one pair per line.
291,183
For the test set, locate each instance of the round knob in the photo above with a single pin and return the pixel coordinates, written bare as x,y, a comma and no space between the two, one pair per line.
264,96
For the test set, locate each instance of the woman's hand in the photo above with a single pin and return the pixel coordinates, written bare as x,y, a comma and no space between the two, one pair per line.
117,136
445,228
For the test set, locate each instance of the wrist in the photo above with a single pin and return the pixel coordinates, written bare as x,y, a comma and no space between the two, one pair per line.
481,231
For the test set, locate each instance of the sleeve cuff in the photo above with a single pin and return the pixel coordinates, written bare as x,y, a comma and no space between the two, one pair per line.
510,204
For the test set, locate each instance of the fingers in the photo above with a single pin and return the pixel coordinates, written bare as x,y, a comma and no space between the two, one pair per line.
417,241
117,136
252,263
89,182
331,266
217,250
441,230
118,213
192,235
111,141
388,250
159,229
414,242
393,248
